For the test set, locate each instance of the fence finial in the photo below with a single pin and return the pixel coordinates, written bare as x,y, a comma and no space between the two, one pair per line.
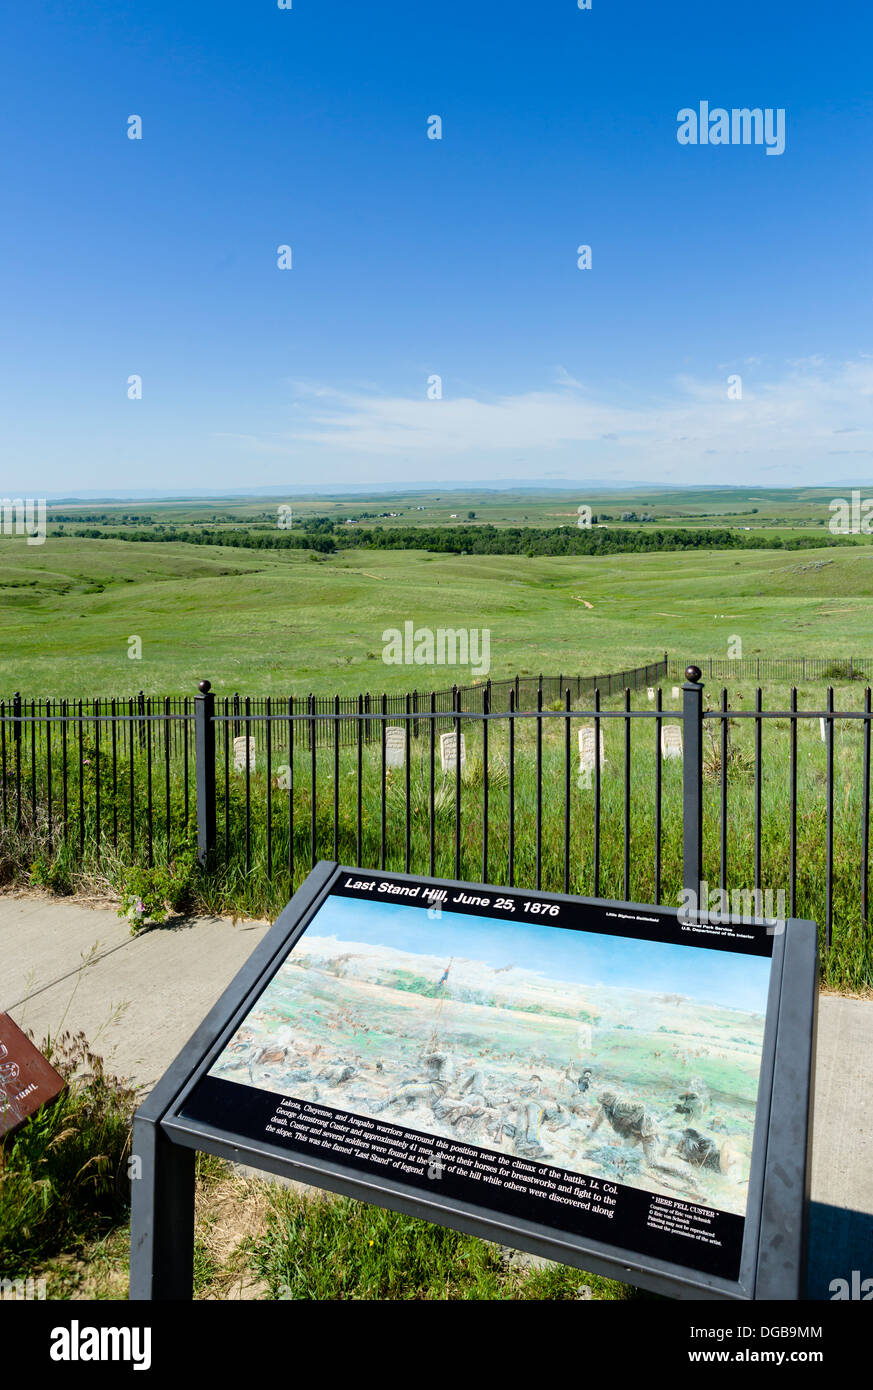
204,687
693,673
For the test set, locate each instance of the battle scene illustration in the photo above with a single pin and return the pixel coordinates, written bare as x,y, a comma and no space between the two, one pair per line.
651,1087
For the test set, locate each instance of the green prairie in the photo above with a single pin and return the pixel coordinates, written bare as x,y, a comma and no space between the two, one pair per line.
289,622
286,622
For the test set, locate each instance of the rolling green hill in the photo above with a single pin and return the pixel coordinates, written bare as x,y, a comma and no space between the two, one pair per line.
289,622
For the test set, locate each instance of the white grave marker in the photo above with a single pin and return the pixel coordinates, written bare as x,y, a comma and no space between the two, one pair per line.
650,692
671,741
448,752
239,754
586,748
676,692
824,737
395,746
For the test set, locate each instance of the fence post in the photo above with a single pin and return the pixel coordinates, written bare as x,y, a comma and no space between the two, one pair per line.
692,781
204,757
16,741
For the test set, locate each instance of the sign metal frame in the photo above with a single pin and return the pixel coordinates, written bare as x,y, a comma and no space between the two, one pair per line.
773,1261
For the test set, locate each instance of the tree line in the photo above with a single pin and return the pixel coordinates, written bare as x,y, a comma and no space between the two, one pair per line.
324,536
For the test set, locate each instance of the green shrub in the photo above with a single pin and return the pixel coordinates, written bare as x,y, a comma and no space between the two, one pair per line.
841,671
149,895
53,874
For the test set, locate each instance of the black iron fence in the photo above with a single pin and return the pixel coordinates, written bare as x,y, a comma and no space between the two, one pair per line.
601,794
777,668
525,692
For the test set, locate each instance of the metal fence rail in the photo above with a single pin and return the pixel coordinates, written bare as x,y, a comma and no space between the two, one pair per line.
753,799
777,668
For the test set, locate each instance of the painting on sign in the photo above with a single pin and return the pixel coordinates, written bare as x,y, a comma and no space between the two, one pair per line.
27,1080
449,752
671,741
239,754
395,746
519,1038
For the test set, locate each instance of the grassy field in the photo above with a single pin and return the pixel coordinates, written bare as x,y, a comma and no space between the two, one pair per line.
266,622
289,622
786,509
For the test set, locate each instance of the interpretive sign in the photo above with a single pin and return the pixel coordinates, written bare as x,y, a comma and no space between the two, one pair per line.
27,1080
620,1087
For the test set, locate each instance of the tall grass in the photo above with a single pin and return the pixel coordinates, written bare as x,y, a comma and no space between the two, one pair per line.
334,1248
64,1176
261,859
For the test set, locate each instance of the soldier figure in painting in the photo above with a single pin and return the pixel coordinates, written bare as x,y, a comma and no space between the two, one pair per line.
631,1121
694,1101
702,1151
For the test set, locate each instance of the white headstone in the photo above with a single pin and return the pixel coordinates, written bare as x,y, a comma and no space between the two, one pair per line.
823,733
671,741
449,752
239,754
650,692
586,747
676,692
395,746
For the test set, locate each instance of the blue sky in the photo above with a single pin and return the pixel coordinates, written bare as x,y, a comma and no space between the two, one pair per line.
414,257
737,982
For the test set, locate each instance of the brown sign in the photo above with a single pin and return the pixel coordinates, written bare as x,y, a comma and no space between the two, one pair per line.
27,1080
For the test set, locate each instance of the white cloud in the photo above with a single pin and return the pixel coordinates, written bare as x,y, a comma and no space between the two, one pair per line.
790,415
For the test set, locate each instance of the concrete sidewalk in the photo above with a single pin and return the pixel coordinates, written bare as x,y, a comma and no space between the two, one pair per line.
139,999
